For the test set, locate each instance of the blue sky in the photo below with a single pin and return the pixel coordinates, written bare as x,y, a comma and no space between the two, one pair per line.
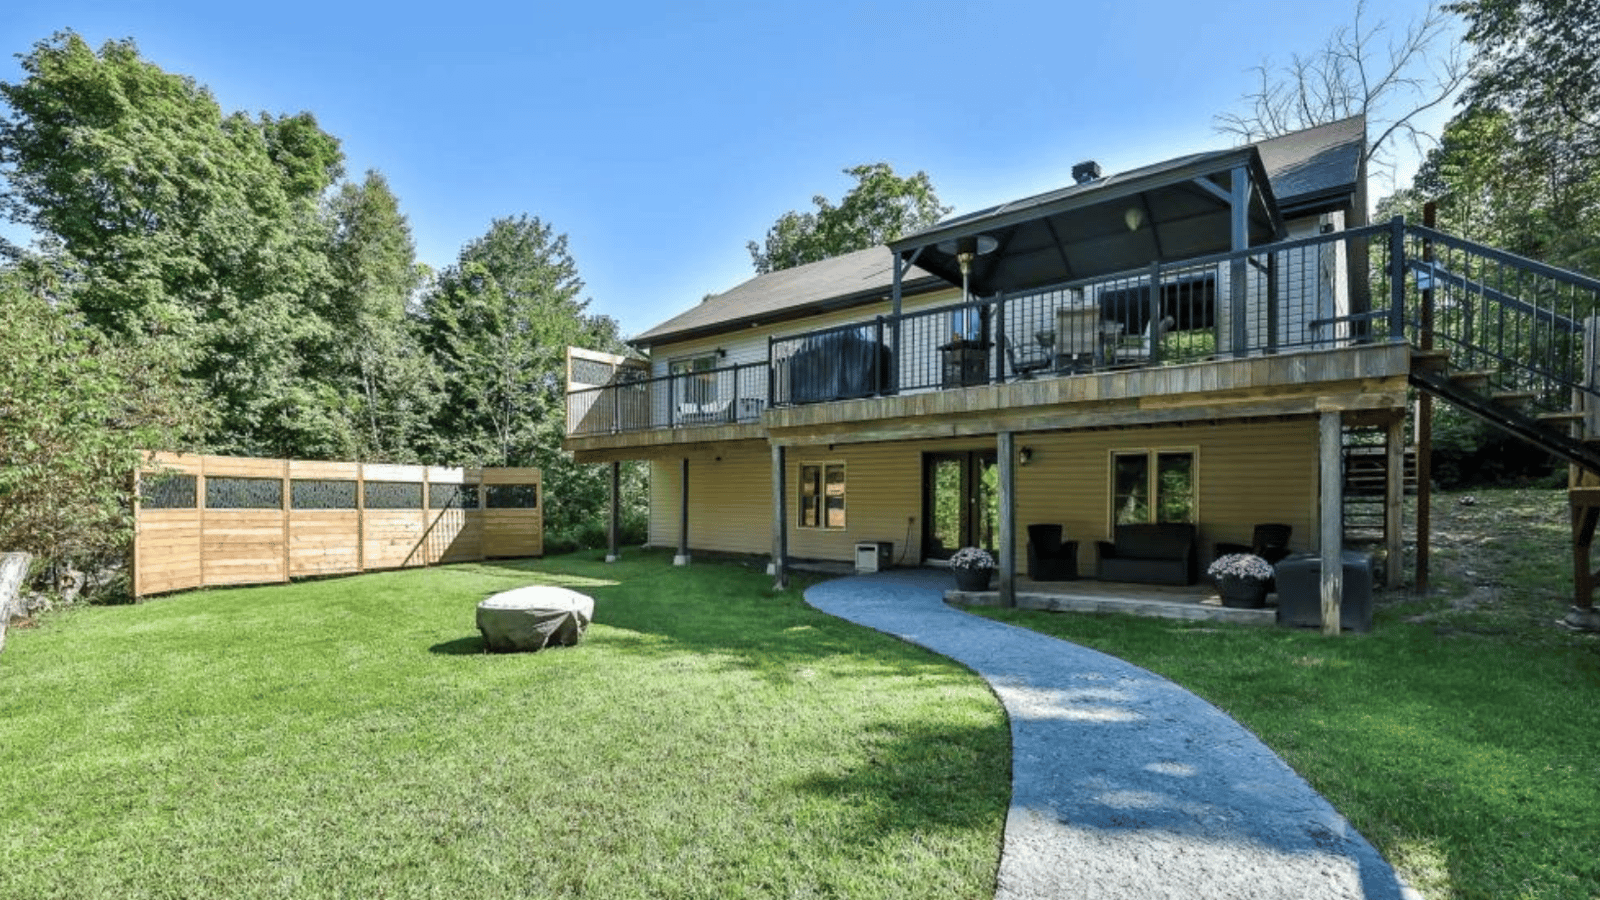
661,137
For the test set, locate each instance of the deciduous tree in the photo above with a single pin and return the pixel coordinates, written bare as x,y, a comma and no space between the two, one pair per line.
75,409
880,208
1541,57
393,384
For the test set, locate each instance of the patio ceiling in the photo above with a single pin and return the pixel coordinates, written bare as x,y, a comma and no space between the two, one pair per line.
1174,210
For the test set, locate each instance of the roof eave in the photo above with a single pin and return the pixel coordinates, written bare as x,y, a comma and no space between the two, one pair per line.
1090,196
925,284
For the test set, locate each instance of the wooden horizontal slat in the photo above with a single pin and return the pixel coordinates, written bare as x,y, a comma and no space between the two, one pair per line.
385,472
309,470
184,548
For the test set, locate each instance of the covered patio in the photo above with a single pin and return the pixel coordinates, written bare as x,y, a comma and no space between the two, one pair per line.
1191,602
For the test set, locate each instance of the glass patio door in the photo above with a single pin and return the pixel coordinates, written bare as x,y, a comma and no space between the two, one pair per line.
960,502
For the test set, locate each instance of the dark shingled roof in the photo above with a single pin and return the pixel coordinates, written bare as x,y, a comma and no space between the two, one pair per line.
1318,168
843,281
1309,171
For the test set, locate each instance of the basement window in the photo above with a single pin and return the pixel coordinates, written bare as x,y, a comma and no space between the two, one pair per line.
822,495
1152,486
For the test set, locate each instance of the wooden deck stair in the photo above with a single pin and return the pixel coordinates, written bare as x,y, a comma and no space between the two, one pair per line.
1557,431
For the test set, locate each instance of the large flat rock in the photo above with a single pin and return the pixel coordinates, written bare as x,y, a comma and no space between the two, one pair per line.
533,618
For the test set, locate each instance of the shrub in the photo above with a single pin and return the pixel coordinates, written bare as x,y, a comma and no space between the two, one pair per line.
75,411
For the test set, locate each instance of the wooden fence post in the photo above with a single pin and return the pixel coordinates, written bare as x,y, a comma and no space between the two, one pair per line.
285,505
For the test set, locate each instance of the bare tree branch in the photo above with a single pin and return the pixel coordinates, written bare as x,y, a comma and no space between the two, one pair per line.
1391,76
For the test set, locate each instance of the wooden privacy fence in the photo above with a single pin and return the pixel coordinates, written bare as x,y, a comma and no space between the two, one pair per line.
201,521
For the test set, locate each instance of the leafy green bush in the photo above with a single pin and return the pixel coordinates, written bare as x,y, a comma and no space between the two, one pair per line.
75,412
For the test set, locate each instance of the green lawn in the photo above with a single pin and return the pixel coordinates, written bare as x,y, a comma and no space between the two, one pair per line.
347,738
1461,736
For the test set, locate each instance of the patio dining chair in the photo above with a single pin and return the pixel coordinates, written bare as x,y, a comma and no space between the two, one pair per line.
1024,367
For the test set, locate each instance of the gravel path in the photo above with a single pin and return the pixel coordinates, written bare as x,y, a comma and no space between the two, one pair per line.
1123,784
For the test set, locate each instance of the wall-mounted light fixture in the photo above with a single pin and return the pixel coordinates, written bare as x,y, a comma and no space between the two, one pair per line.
721,353
1133,217
1024,455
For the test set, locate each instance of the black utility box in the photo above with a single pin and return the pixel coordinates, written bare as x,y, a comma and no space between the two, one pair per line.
1300,591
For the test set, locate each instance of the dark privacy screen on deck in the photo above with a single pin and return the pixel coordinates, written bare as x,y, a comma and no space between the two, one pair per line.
393,495
513,496
452,496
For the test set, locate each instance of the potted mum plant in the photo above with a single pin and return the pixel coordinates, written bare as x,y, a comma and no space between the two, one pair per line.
972,567
1241,579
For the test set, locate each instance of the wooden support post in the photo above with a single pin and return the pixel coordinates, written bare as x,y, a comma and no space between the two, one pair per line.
1424,423
1394,502
1239,336
1332,519
780,520
1584,517
135,577
1006,454
482,490
682,559
614,532
200,504
286,504
1582,486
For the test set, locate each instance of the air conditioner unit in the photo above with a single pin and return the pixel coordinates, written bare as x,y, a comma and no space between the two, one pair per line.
874,556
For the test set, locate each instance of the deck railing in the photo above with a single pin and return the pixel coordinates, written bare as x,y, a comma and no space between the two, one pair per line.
1518,322
1319,292
1326,291
721,396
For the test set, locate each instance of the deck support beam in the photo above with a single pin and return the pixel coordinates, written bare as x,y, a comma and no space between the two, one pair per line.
614,526
1006,456
1394,491
1331,520
682,559
780,520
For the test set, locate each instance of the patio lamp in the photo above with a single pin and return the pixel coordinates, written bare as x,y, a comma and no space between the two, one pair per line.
965,250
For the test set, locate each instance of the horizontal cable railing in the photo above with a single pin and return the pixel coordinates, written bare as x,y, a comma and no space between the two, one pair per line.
1516,321
722,396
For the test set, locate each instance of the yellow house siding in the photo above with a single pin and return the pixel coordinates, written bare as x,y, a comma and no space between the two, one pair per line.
730,503
1246,474
883,484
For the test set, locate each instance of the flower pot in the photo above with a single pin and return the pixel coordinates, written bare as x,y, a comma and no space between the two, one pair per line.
1242,593
972,579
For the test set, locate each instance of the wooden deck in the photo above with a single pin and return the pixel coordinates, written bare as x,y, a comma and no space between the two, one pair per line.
1358,380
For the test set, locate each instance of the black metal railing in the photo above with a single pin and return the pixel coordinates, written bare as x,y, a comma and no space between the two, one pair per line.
1521,319
721,396
1317,292
1518,322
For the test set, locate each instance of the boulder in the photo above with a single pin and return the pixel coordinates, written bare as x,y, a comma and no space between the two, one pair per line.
533,618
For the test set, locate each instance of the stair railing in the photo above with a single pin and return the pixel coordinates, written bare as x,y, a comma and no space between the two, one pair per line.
1519,320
